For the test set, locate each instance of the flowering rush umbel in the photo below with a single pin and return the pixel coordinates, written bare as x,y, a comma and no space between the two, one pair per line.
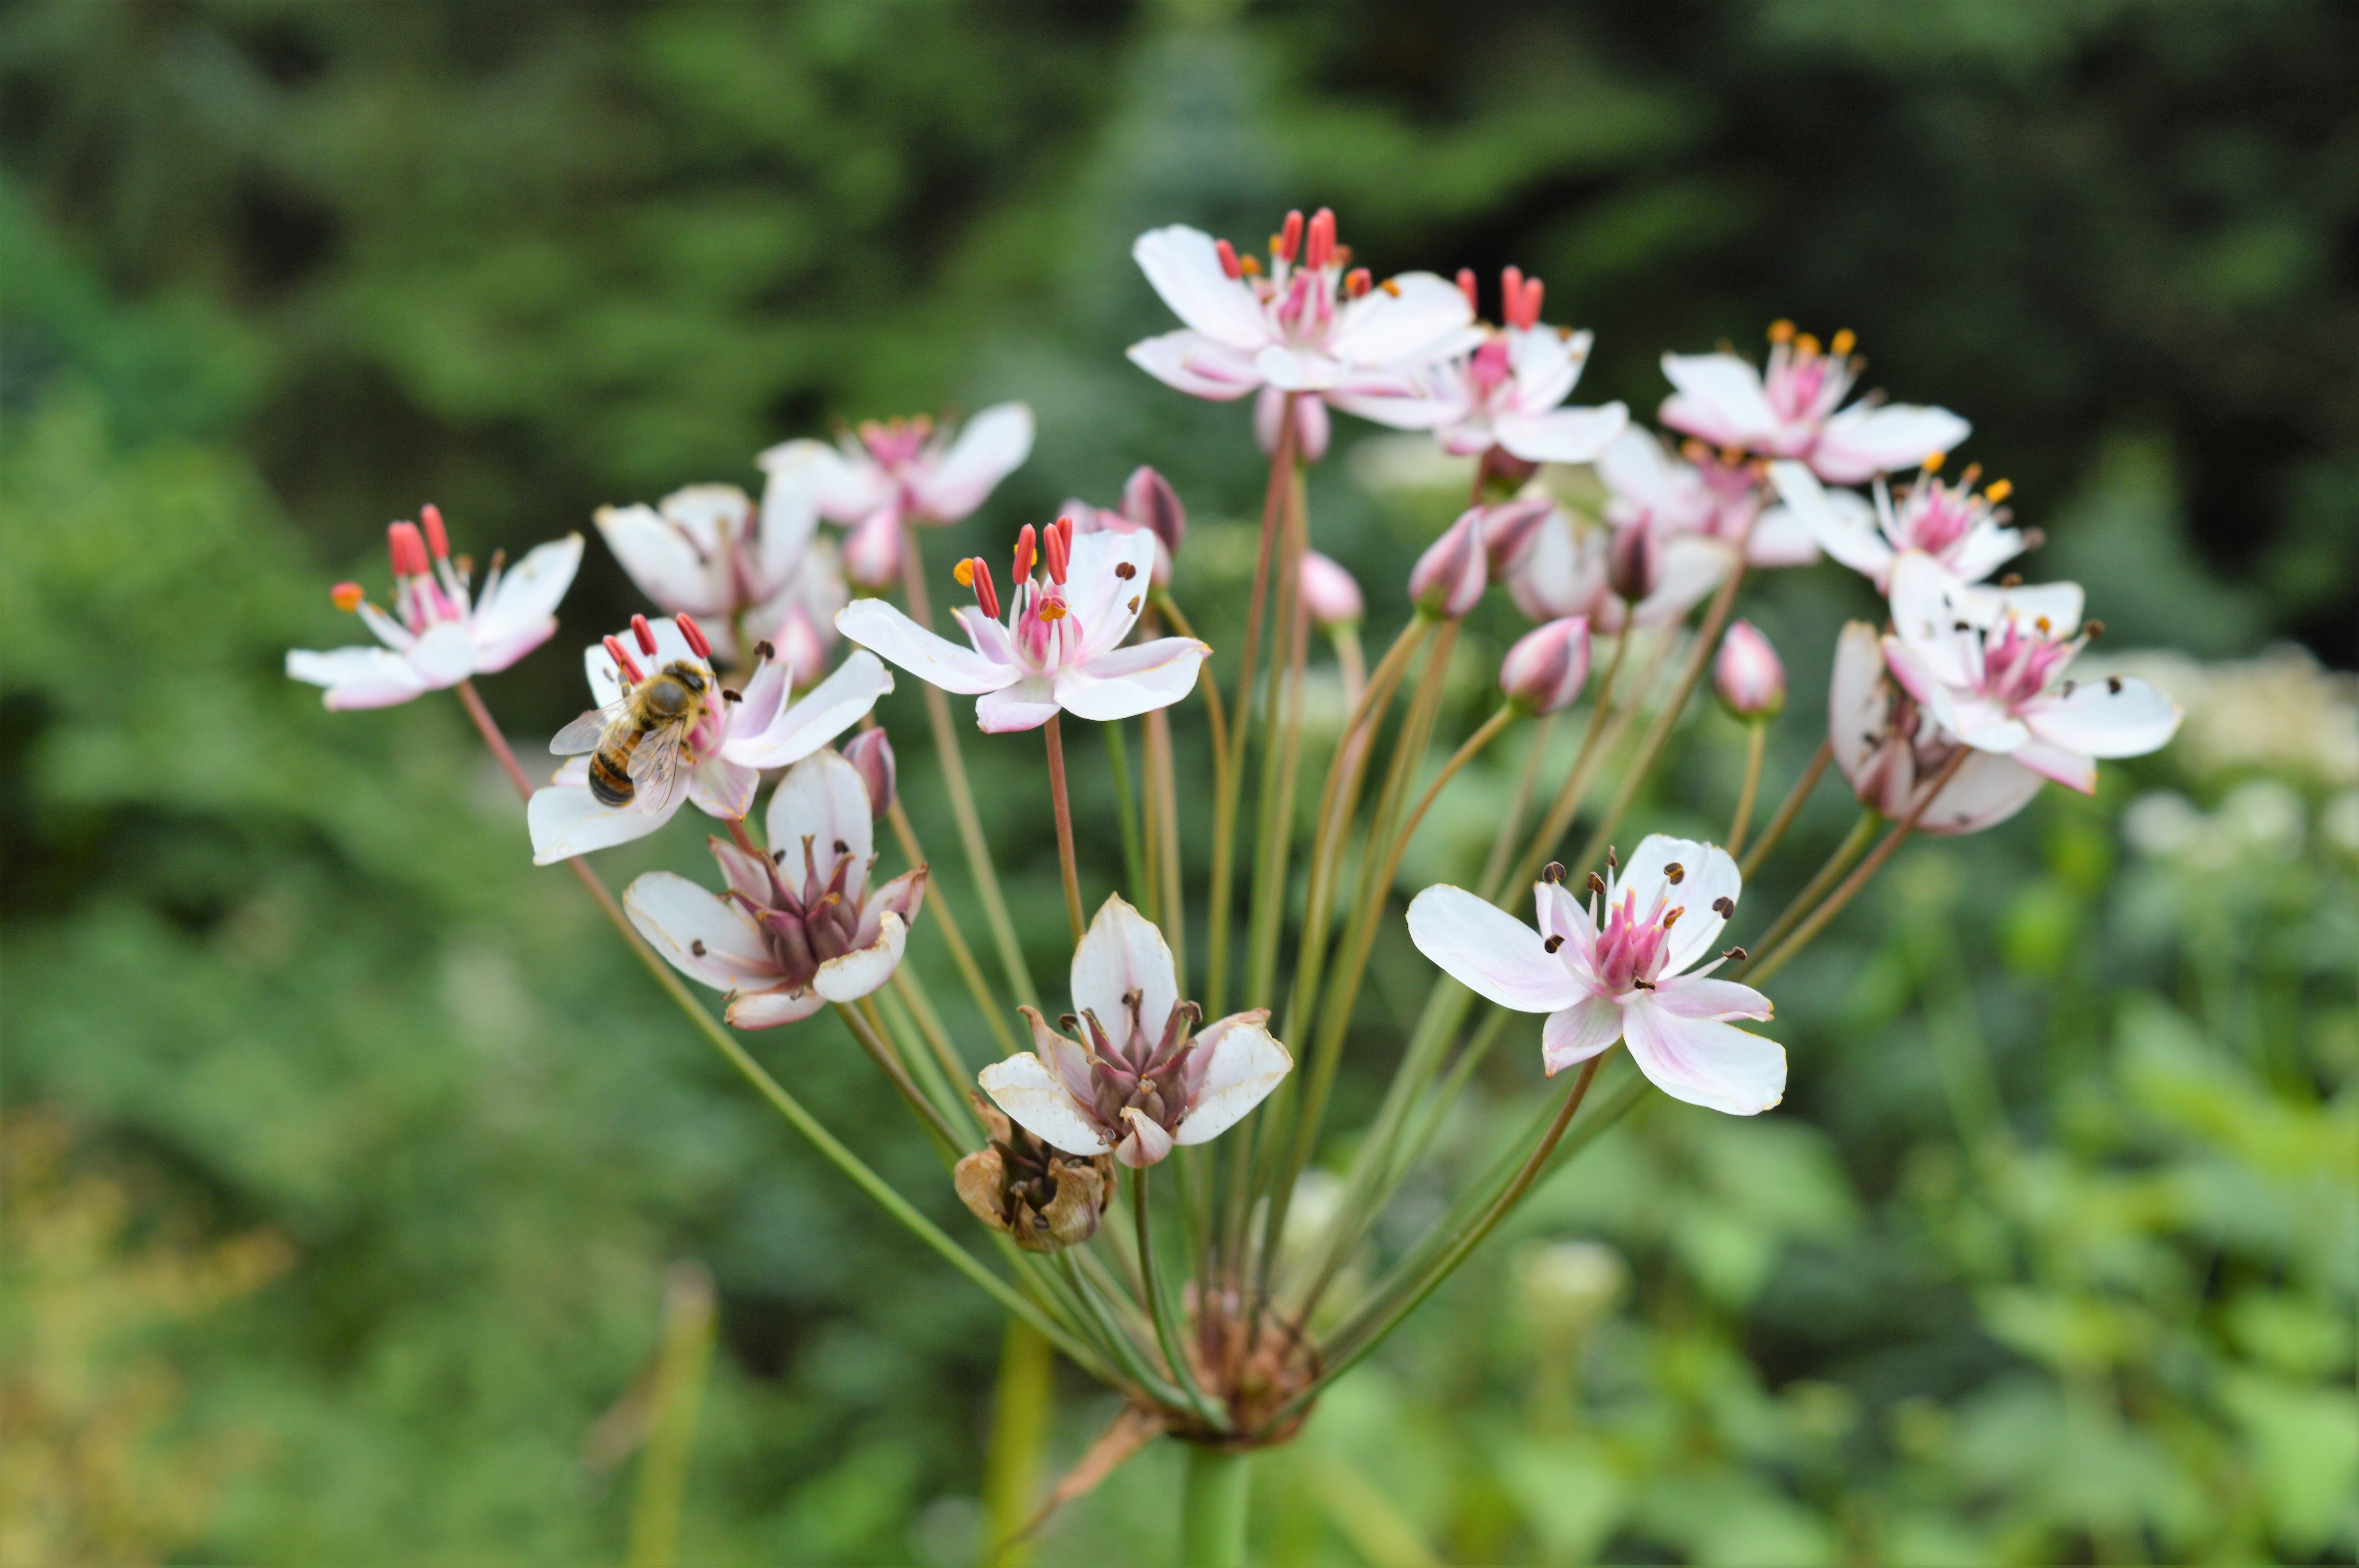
1260,852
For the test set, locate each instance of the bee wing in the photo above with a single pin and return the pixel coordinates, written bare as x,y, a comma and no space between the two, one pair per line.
586,732
655,760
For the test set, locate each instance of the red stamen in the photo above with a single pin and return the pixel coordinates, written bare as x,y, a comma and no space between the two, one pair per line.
986,592
1323,239
347,596
622,661
1358,281
1531,309
694,633
435,539
408,549
1053,544
1466,288
1228,263
1511,295
1289,240
645,634
1026,551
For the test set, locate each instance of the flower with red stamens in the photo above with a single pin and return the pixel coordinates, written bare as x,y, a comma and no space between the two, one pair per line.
888,472
710,551
441,630
1794,410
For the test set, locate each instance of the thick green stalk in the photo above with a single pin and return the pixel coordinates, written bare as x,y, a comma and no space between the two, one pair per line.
1787,812
1282,767
1756,738
1019,1425
1213,1497
1163,1312
682,1361
1127,815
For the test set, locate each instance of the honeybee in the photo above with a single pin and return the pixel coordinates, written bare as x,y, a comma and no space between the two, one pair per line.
635,740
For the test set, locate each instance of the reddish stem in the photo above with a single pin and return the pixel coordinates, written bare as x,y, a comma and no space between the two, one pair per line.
1054,730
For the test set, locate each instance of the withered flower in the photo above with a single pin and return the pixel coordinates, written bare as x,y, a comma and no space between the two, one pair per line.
1043,1198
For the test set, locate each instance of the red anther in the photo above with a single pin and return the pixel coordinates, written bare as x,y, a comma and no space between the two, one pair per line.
1027,550
1533,289
1511,295
1358,281
1053,545
694,633
645,634
622,661
408,550
1323,239
347,596
435,539
1289,241
986,592
1466,288
1228,263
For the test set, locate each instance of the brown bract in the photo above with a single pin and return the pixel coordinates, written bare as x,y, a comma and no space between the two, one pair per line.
1045,1199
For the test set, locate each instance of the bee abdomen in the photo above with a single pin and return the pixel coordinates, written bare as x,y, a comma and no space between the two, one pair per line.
609,783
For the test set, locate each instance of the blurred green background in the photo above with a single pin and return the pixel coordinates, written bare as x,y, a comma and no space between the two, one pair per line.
345,1153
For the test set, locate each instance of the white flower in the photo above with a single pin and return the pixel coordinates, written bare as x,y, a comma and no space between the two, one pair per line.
1697,494
1620,972
438,634
1988,663
708,551
1312,327
1793,411
1886,744
1149,501
1135,1083
1565,567
1504,392
903,469
724,753
1964,531
798,929
1059,646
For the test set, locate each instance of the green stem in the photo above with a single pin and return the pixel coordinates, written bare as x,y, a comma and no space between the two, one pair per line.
888,1062
1494,864
1054,730
1019,1425
1837,863
1126,811
1617,706
681,1363
1787,812
1159,1309
1162,788
1756,738
940,916
1213,1497
1281,764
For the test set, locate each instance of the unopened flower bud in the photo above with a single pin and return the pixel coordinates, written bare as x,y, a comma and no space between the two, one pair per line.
1330,593
1632,562
1311,424
1546,668
1449,579
1148,499
871,756
1042,1199
1508,530
1747,674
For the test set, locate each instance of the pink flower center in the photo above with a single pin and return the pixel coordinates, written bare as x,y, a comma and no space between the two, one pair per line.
1131,1069
1937,516
810,919
1631,950
1803,384
1047,632
2019,667
894,444
1490,369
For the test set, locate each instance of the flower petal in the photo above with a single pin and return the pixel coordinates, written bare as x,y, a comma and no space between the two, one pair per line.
1546,365
1132,681
2116,717
844,489
822,799
444,656
1720,398
1184,267
1028,704
1866,439
827,710
1849,534
1035,1102
992,445
1243,1063
1105,602
1144,1142
1704,1061
855,974
660,560
706,938
1196,364
1779,539
768,1010
1695,996
1985,791
789,521
2073,770
1121,953
1413,319
1707,876
1579,1032
1858,702
520,613
566,822
876,625
1562,434
1489,951
358,678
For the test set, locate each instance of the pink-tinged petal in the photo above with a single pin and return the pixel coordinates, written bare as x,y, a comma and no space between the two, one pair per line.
1104,601
1034,1100
768,1010
844,489
1687,567
1867,439
1411,320
526,599
742,870
1778,538
1562,572
1985,791
827,710
1028,704
1301,370
1636,468
1929,605
1411,407
1693,995
1547,365
2117,717
1144,1142
492,656
2073,770
357,677
1985,550
1197,366
1064,1056
822,798
872,552
1489,951
1579,1032
1983,725
1921,680
764,697
1720,399
1131,681
444,656
990,447
1184,267
788,526
662,560
876,625
1704,1061
853,975
1858,703
902,898
706,938
1706,876
1564,435
2058,604
723,788
1124,952
388,631
1238,1062
1562,915
1846,532
566,822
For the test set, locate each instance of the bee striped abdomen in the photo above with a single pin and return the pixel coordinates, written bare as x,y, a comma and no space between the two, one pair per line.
610,779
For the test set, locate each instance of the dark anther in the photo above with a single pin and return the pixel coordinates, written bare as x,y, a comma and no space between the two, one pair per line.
764,653
1553,943
2114,685
1644,985
1069,1023
728,695
1133,996
842,847
1961,626
697,946
1737,953
1672,918
1124,571
1597,885
2012,579
2069,686
2094,630
1611,863
1724,906
777,857
1675,873
1553,871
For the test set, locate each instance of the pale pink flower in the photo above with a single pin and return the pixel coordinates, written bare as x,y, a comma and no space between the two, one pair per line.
1988,664
1140,1077
1566,568
800,927
439,633
888,472
1964,531
1698,495
708,551
1504,390
871,756
1794,410
1619,971
1449,579
1060,645
1313,428
721,758
1330,592
1887,745
1748,674
1546,667
1309,323
1149,501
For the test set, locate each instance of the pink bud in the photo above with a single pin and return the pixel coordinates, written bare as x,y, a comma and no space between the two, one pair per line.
871,755
1747,674
803,646
1449,579
1330,593
1148,499
1545,670
871,554
1508,530
1633,562
1311,424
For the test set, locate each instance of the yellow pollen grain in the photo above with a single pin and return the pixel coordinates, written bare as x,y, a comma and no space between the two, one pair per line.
1844,342
2000,490
1052,610
1806,346
1933,461
1390,287
963,573
347,596
1781,331
2045,625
